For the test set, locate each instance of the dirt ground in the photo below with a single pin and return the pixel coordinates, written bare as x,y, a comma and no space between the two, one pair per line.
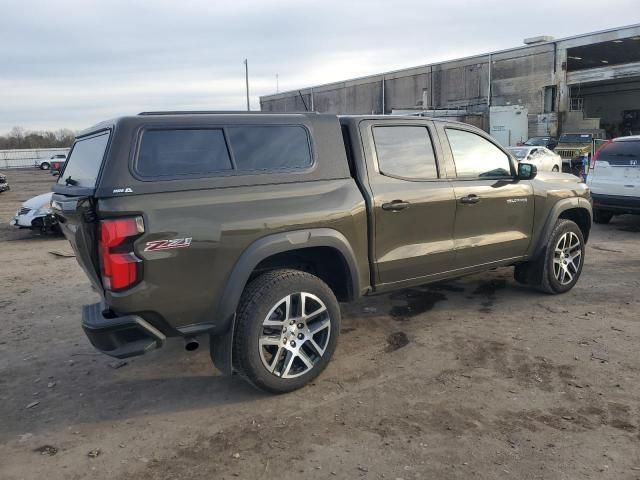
473,378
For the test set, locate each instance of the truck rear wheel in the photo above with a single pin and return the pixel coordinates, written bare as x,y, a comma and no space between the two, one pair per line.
601,216
287,327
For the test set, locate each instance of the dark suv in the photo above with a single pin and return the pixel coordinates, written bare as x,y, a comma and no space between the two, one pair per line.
250,228
548,142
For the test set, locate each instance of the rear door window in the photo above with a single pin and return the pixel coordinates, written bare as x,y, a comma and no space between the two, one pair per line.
475,156
182,152
405,152
270,147
84,163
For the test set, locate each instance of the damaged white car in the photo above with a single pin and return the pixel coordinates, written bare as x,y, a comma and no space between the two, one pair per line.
543,158
36,214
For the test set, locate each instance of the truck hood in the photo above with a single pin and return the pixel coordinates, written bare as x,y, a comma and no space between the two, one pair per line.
559,184
36,202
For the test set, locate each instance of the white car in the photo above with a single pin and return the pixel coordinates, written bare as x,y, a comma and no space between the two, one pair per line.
45,163
36,214
543,158
614,178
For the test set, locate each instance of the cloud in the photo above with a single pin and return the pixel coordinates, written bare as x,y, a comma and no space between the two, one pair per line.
74,63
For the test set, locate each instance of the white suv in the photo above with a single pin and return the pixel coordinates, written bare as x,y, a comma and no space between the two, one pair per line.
614,178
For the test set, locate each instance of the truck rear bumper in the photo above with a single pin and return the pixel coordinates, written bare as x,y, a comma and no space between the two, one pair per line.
119,337
616,203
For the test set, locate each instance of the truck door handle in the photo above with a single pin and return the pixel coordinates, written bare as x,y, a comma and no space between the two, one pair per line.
395,205
470,199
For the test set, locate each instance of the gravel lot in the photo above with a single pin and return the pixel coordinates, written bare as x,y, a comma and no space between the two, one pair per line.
474,378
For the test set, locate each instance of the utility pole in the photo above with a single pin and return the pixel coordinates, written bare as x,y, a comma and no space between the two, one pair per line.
246,77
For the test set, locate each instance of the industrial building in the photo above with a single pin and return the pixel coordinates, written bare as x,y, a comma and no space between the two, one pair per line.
585,82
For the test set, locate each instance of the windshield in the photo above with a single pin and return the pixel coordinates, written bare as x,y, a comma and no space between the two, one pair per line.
537,141
519,153
575,138
84,161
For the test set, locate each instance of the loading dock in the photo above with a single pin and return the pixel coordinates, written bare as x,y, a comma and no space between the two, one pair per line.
604,84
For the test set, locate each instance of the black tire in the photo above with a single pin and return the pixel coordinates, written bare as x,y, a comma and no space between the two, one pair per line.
544,270
555,169
266,294
602,217
51,230
45,166
521,273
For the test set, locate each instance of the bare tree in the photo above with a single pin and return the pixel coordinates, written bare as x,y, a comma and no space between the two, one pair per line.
18,137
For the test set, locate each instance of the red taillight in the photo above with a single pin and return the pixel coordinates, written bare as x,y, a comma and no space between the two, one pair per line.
595,156
120,267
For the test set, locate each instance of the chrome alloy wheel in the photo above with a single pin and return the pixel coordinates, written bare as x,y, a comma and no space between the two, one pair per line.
567,257
295,334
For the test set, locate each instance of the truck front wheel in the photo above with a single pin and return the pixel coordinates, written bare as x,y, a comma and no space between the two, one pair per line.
558,267
287,327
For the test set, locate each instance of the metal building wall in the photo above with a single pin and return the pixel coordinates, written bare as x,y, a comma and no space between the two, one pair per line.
517,76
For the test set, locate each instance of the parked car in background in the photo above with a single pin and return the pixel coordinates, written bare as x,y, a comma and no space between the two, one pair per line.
36,214
45,164
614,178
574,146
543,158
548,142
57,166
4,185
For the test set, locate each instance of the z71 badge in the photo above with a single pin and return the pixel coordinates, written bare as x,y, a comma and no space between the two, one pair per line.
168,244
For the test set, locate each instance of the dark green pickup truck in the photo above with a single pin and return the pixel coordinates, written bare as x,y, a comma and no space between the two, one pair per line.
250,228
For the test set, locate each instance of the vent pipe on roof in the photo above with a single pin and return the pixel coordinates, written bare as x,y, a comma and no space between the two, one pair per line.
538,39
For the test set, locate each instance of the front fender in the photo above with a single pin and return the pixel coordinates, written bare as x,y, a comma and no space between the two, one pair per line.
555,212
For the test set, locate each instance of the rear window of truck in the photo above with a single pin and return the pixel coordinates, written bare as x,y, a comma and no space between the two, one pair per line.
171,153
83,165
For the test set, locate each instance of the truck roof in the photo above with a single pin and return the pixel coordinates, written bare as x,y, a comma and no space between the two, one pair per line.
630,138
181,114
401,117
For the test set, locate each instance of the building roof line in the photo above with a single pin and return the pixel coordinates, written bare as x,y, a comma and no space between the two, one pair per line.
460,59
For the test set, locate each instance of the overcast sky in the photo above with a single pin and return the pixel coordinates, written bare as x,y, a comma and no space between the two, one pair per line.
74,63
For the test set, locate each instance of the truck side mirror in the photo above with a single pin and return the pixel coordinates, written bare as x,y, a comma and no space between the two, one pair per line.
526,171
